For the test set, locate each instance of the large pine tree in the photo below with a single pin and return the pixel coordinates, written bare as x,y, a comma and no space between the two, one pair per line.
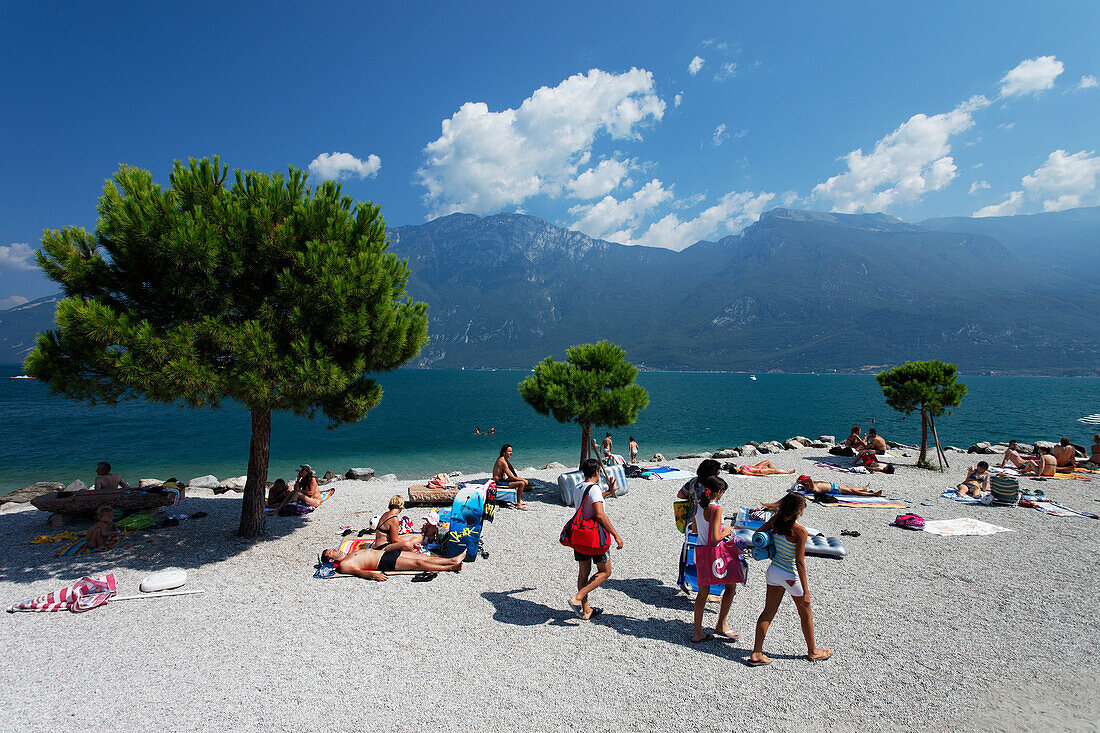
267,292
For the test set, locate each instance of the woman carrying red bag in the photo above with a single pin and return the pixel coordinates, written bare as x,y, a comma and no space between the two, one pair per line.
708,527
589,502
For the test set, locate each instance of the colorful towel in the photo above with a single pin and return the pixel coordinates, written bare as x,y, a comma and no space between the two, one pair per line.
842,469
962,527
43,539
954,494
1055,509
667,473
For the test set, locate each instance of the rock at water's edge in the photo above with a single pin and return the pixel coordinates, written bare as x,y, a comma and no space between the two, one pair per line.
360,474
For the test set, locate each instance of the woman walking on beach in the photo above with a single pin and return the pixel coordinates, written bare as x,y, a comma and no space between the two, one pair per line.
708,527
787,574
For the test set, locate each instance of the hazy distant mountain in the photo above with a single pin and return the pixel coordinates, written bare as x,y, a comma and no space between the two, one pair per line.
797,291
20,325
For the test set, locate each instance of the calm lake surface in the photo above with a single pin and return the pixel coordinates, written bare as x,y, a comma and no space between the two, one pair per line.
426,421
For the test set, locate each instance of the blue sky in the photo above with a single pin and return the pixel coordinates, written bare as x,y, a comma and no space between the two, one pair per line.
642,122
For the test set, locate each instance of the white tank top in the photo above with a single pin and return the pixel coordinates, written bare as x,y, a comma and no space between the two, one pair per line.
702,526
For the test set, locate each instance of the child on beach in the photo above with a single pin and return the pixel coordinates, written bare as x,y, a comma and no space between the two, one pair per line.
104,530
976,481
589,500
708,527
787,574
634,450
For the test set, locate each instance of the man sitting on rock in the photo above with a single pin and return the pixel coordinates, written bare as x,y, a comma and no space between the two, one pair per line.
373,564
107,481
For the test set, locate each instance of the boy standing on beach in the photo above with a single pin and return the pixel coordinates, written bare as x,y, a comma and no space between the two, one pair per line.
588,497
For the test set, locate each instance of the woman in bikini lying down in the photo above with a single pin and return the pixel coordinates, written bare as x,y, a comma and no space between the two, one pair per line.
764,468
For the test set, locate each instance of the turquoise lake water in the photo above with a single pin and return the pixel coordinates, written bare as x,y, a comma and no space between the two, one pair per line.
426,421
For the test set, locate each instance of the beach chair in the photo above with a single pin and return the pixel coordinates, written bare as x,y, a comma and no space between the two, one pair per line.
1005,490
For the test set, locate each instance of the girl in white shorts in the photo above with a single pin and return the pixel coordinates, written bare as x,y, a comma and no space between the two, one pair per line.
787,574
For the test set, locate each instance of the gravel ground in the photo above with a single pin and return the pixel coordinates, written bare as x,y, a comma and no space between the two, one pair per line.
993,633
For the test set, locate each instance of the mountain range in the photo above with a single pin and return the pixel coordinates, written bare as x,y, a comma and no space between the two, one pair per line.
796,291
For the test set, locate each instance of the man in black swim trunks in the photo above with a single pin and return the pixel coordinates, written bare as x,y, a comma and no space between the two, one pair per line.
372,564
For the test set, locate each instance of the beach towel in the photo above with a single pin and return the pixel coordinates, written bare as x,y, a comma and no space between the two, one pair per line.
83,595
1055,509
864,502
962,527
954,494
842,469
669,474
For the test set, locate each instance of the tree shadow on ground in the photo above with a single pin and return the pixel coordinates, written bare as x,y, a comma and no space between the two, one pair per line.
190,544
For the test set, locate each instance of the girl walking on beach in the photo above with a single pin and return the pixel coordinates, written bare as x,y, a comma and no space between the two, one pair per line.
708,527
787,574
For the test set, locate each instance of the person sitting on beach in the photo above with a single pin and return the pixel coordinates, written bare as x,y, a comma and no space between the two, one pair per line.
709,529
305,490
103,531
1094,459
976,481
633,447
1046,465
787,574
430,531
277,493
588,499
504,473
764,468
107,481
372,564
1065,456
387,536
1012,455
818,488
851,445
874,444
872,464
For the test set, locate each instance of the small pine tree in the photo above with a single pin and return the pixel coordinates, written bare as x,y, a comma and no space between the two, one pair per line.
928,386
266,292
594,386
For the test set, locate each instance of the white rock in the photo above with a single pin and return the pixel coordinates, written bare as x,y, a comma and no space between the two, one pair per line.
203,482
827,438
388,477
727,453
77,485
793,444
657,458
455,473
149,482
748,450
233,484
554,465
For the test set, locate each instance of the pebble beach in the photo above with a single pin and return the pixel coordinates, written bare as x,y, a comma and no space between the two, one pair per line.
938,633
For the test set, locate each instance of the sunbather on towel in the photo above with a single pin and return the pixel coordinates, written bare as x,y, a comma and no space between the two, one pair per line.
764,468
387,536
1012,455
871,463
976,481
1045,466
505,473
1065,455
372,564
807,484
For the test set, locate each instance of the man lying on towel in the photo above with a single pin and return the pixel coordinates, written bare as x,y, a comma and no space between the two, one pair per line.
372,564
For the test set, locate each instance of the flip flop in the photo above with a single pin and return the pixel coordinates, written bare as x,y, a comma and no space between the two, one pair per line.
424,577
522,507
578,610
756,662
822,659
706,637
730,636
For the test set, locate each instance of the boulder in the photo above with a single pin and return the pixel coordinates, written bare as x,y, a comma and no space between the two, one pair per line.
793,444
1025,449
203,482
459,473
77,485
693,455
554,465
754,444
749,450
951,447
147,482
388,477
360,474
764,448
727,453
802,439
1043,444
820,444
773,446
329,475
25,494
827,438
657,458
982,447
232,484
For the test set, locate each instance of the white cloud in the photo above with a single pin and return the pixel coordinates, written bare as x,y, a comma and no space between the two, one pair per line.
678,99
1031,76
1008,207
486,161
612,218
1006,125
904,166
16,256
720,134
1088,81
598,181
727,71
978,186
1069,180
741,133
11,301
732,213
695,65
789,198
341,166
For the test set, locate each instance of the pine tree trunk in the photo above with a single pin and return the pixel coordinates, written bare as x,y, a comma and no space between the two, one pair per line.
255,488
586,440
923,438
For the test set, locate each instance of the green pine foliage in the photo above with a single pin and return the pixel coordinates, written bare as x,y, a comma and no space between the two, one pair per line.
594,386
927,386
264,291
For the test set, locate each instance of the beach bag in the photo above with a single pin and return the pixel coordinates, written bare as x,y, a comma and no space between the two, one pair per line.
842,450
680,509
718,564
909,521
586,536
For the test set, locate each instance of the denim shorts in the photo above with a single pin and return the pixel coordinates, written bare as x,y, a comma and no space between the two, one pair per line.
581,557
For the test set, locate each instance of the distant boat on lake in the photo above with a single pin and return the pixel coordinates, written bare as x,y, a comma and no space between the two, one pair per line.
22,376
752,377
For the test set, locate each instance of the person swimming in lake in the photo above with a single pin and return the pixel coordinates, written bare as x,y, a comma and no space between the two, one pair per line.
505,473
976,481
764,468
